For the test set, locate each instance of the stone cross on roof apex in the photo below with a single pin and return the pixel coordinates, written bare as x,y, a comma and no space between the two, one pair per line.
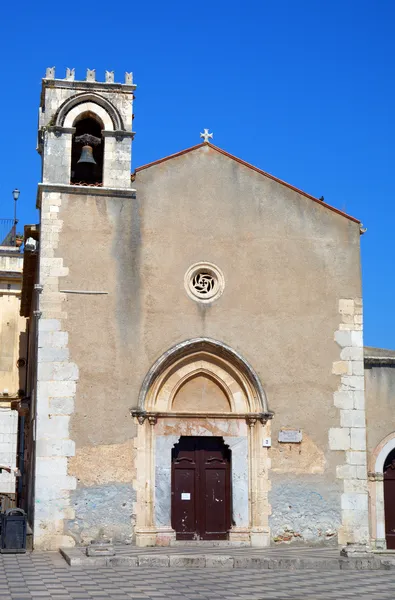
206,135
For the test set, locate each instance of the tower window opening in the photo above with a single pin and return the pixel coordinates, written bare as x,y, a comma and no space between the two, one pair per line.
87,153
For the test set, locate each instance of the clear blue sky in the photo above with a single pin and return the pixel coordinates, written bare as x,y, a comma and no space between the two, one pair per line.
304,89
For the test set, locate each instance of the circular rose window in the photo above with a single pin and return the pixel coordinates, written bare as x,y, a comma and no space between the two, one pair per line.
204,282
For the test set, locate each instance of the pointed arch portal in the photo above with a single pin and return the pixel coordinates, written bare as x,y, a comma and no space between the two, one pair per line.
202,388
381,494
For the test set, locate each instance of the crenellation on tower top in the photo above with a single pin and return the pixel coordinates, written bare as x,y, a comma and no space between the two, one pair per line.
91,74
90,77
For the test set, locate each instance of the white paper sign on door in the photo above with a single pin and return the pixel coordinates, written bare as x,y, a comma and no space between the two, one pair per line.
185,496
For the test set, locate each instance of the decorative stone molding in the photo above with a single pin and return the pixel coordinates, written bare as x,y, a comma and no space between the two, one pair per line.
73,115
376,476
83,190
204,282
350,437
250,419
250,461
118,135
253,388
89,101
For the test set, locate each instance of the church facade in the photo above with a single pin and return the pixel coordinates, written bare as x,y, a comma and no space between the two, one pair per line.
196,350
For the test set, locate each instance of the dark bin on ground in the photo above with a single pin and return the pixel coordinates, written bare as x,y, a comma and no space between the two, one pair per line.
13,531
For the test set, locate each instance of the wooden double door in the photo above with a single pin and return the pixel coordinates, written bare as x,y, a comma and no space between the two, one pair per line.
389,500
201,489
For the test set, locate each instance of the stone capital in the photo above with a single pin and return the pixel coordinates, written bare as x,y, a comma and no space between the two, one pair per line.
376,476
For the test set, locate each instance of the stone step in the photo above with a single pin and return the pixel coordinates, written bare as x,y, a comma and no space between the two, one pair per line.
208,544
76,557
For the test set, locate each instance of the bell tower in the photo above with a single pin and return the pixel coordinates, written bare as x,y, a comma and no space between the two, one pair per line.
85,130
85,141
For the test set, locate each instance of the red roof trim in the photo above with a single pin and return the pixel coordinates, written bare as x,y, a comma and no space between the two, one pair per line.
249,166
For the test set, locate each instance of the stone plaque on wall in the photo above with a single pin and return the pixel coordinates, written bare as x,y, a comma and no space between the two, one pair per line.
290,436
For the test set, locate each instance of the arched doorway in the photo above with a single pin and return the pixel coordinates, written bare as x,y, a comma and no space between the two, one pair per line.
381,478
389,500
202,390
201,488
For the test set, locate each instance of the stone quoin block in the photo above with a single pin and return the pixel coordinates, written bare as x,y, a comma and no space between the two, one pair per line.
344,400
339,439
346,472
50,448
49,325
343,338
341,367
52,466
50,354
352,418
53,482
346,306
353,382
56,426
359,400
58,371
358,438
351,353
61,406
359,486
56,389
354,501
362,472
356,458
357,367
356,339
54,339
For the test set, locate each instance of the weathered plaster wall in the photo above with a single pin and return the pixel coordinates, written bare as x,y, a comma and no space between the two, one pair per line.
305,508
104,497
287,262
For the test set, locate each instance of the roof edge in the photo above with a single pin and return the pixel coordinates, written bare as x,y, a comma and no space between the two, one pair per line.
378,356
253,168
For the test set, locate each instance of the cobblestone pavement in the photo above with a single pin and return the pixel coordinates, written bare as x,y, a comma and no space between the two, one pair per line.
41,576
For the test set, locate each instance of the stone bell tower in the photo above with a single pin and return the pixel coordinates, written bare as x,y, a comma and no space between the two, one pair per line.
72,110
85,141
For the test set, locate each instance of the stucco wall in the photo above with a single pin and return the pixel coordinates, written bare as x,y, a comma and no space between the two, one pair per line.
287,262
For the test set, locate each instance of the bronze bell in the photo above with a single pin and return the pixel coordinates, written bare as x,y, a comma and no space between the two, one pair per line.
86,155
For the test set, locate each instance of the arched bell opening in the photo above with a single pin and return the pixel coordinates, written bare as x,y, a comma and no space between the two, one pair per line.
87,151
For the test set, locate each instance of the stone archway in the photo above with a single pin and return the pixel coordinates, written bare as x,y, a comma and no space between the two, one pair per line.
202,388
376,491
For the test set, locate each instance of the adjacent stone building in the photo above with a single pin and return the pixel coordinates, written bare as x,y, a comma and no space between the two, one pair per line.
197,368
12,366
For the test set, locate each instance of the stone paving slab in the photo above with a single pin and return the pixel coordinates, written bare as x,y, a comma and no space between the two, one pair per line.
229,558
43,576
